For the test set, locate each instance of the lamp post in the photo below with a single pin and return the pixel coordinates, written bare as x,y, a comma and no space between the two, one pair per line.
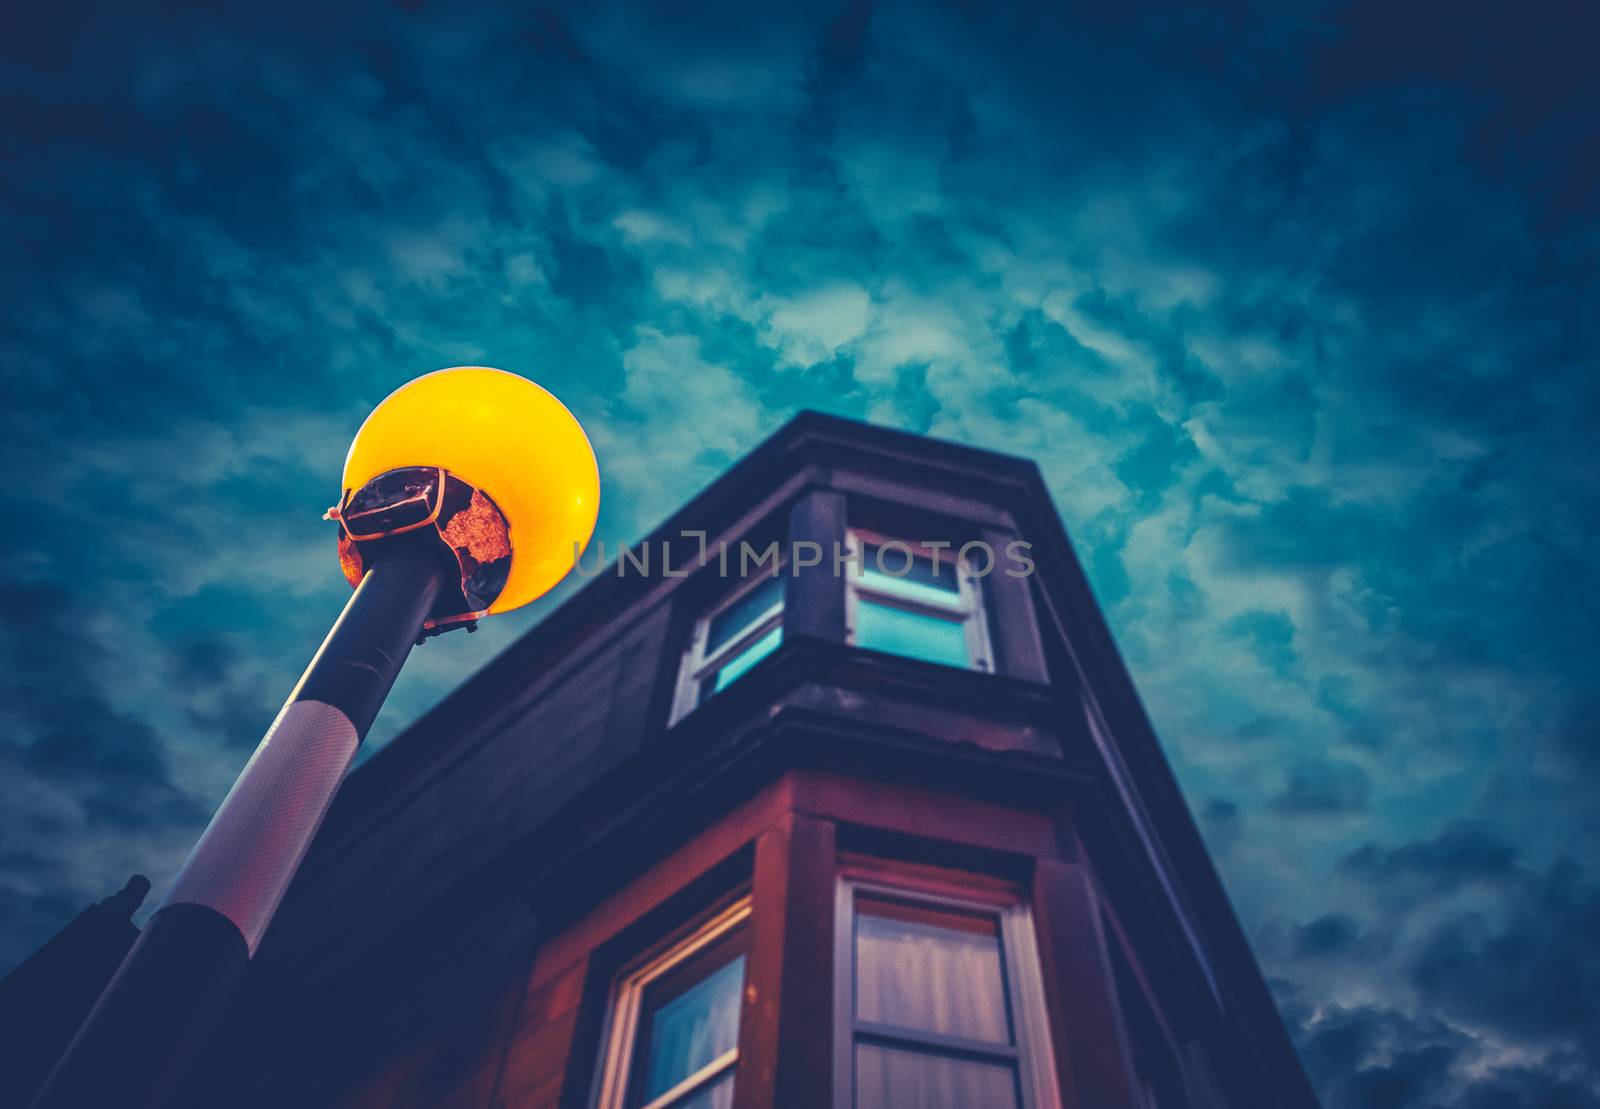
467,492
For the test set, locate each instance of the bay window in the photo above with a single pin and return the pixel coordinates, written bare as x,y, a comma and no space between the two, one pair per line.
920,600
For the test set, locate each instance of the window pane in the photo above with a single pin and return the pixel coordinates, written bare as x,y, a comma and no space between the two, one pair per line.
915,634
919,582
890,1079
735,667
718,1095
693,1028
930,970
739,616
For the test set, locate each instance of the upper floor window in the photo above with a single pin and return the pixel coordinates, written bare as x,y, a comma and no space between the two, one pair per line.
915,600
673,1036
729,640
940,1003
919,600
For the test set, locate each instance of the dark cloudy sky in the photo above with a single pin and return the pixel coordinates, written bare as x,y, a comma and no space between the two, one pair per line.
1295,305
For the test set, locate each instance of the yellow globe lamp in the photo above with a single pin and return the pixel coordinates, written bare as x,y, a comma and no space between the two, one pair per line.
496,463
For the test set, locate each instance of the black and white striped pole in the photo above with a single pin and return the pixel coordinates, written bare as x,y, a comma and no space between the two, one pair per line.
180,972
467,492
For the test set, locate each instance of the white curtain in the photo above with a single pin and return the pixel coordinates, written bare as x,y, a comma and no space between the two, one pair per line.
912,971
887,1078
695,1028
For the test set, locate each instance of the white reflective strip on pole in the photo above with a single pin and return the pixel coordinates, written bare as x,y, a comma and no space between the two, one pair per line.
252,847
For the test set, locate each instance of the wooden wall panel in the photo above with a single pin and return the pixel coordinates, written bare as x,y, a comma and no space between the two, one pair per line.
785,1034
814,602
540,1046
919,812
1093,1062
1013,621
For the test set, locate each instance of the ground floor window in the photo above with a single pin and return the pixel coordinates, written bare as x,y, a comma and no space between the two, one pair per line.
939,1003
673,1035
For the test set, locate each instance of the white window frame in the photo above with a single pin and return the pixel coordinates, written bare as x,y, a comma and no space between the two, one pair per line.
967,604
697,665
627,1002
1033,1052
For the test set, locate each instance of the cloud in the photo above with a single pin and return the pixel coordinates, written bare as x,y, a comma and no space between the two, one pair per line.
674,406
1328,789
811,327
1327,935
88,790
1464,852
1460,977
